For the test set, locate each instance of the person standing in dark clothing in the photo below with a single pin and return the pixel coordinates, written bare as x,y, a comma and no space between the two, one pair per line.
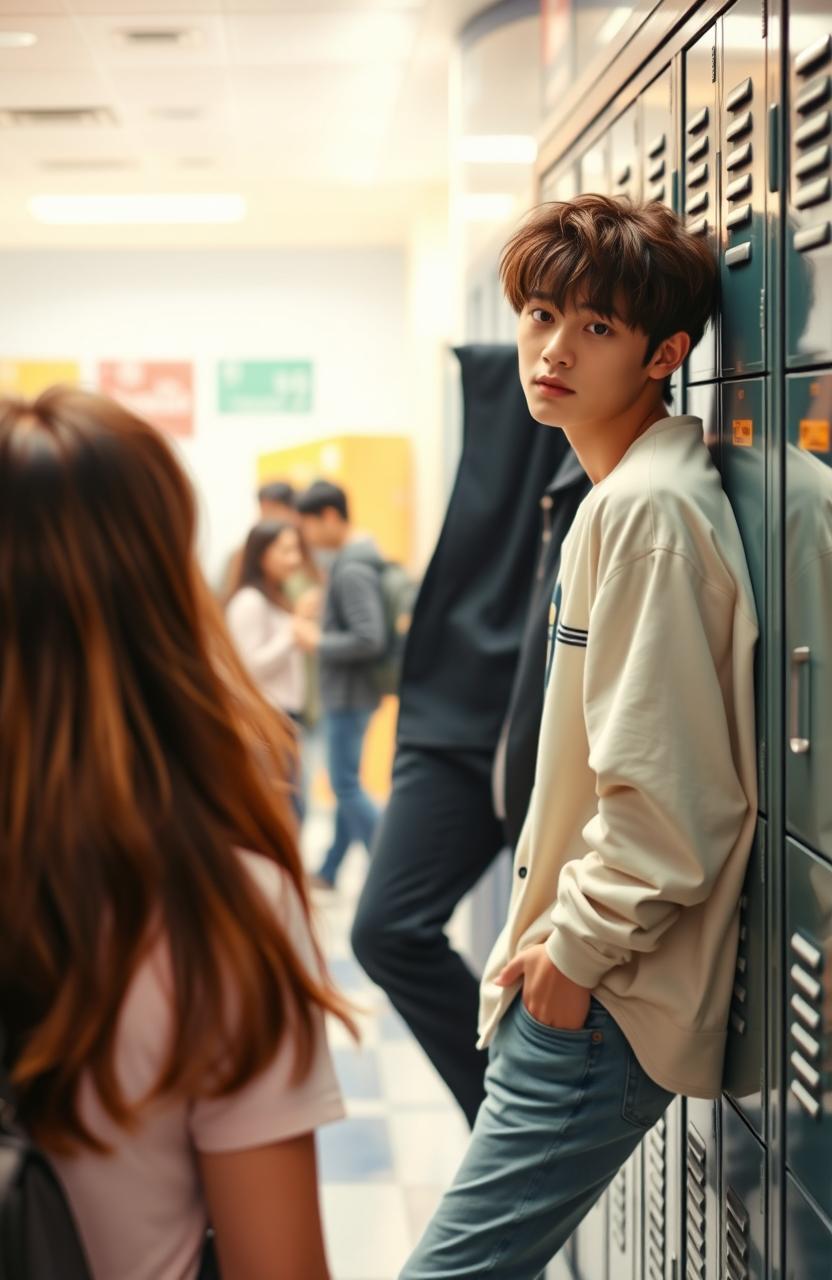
472,680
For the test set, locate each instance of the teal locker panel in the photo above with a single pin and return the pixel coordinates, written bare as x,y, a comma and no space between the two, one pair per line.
658,152
808,1021
808,1238
700,178
624,1220
588,1254
743,1200
809,230
625,166
743,466
661,1198
743,141
702,1190
594,168
809,609
745,1056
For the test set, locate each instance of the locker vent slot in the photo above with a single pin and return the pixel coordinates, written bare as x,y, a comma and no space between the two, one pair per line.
698,175
697,123
740,126
740,156
816,127
657,146
739,187
805,1078
699,147
656,1193
657,192
696,1218
814,95
736,1237
816,192
656,170
813,237
697,203
817,55
740,95
818,158
699,228
740,253
624,176
618,1211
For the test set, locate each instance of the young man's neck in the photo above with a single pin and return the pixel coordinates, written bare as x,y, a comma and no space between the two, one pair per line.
600,446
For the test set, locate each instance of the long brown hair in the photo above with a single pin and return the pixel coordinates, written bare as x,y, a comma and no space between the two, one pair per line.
136,757
252,574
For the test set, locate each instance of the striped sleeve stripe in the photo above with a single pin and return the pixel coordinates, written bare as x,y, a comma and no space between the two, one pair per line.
572,635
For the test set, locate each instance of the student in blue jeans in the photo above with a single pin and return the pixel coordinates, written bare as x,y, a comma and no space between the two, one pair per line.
608,990
352,636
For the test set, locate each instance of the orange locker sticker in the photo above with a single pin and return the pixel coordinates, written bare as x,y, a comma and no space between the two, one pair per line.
743,431
814,435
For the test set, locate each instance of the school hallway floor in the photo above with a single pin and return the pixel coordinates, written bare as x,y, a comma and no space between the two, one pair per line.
384,1168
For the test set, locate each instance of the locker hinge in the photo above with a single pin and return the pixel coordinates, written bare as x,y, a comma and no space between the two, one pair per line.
762,308
713,64
772,157
764,18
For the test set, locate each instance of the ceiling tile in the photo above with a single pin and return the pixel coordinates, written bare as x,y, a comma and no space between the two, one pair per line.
104,35
76,88
308,38
142,8
59,46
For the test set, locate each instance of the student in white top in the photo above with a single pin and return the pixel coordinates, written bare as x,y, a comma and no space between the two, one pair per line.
160,985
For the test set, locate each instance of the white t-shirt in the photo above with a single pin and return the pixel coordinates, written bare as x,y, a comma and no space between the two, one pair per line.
265,640
140,1209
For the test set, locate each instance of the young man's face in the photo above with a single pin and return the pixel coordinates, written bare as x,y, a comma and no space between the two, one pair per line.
323,531
578,367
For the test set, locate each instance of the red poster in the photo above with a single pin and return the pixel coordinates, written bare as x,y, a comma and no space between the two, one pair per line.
161,391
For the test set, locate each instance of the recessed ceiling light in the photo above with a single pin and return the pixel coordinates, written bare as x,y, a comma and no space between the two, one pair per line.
498,148
17,39
159,210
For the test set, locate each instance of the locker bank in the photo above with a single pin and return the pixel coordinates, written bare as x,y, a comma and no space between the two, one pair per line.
725,113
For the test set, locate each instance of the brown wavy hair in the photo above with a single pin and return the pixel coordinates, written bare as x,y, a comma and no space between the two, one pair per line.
136,758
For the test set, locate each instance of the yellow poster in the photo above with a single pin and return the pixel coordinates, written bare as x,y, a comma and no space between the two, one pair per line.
29,377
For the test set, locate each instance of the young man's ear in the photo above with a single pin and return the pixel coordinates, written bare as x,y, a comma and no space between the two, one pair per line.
668,355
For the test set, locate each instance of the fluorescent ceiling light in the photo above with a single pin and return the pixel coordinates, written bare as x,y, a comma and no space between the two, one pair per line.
498,148
614,23
17,39
487,206
136,209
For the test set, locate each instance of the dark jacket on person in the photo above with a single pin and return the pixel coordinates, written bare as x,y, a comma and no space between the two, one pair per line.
353,629
469,617
516,758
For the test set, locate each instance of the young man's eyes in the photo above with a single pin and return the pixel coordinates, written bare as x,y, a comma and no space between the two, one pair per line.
541,316
598,328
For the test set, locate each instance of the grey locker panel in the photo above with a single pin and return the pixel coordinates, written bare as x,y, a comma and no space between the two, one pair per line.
808,1022
808,585
743,466
745,1056
808,1238
743,1200
809,229
588,1253
702,400
625,166
560,184
594,167
743,143
702,1191
657,139
623,1222
699,161
661,1185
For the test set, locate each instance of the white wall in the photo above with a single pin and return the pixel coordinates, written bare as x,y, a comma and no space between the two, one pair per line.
346,310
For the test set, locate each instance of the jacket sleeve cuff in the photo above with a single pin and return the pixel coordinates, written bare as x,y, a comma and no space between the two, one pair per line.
577,961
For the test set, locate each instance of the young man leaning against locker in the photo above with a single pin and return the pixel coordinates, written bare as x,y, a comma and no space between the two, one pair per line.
607,991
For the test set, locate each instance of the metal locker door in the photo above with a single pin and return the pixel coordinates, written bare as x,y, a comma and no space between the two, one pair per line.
661,1163
809,608
701,148
594,168
702,1191
743,466
625,154
560,184
743,138
658,153
589,1245
745,1056
808,963
624,1197
809,228
743,1200
808,1238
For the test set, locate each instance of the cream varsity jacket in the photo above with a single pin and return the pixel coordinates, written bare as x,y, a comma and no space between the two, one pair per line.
631,861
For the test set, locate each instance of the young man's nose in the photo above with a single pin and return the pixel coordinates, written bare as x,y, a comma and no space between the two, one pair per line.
558,351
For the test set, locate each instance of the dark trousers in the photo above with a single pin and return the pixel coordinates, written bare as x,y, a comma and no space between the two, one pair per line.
436,838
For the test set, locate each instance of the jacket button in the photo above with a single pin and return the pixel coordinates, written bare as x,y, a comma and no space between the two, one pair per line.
523,872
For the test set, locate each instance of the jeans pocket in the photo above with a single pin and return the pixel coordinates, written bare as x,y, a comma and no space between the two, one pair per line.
644,1100
577,1034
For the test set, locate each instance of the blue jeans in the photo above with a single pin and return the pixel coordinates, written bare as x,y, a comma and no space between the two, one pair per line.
356,817
563,1111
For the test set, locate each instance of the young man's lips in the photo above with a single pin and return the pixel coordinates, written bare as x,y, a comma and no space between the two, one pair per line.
554,389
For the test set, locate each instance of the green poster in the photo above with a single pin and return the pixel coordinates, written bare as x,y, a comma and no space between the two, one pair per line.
265,386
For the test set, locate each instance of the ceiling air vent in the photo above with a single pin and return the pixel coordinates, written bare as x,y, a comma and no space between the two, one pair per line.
70,164
159,37
55,117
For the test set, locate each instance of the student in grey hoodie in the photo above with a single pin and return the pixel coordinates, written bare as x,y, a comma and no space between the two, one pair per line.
352,637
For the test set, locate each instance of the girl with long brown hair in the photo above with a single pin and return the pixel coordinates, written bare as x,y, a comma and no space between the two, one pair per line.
159,983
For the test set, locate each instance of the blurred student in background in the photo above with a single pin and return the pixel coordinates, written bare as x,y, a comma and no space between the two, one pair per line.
161,992
264,625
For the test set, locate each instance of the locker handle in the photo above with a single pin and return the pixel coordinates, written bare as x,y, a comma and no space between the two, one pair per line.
773,132
797,745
